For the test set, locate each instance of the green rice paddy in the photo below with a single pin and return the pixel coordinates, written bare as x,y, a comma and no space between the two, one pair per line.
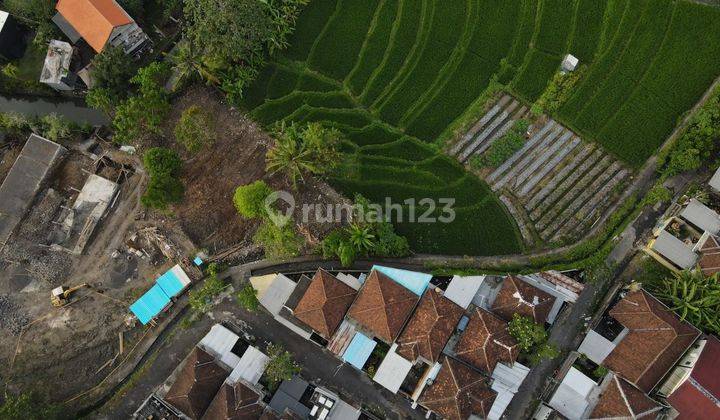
393,75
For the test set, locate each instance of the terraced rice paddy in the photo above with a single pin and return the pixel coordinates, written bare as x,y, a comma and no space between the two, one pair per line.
394,75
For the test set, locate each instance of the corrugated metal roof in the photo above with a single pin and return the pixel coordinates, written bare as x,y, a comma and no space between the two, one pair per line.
570,399
506,382
150,304
715,181
392,371
277,293
359,350
596,347
701,216
250,367
219,342
174,281
462,290
414,281
674,250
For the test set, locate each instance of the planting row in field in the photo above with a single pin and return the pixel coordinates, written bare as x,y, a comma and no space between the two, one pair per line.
561,183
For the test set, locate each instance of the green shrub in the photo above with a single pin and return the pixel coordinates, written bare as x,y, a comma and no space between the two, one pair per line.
558,91
278,241
163,166
657,194
503,148
247,298
195,129
249,199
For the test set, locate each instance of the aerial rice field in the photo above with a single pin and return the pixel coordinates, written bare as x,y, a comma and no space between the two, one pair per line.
394,75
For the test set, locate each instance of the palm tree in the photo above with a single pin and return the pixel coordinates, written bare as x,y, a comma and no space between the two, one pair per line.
188,60
361,238
290,154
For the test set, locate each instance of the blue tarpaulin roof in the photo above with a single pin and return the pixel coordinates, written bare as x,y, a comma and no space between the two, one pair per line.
198,261
359,350
412,280
150,304
170,283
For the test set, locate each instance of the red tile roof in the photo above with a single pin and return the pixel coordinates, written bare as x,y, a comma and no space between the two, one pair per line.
622,400
655,341
710,256
429,328
196,384
324,304
235,402
699,395
94,20
382,306
458,391
518,296
486,341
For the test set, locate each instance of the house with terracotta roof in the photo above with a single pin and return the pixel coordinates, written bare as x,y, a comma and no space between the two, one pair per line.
458,392
580,397
101,23
486,342
693,387
325,303
654,340
382,306
196,384
430,327
520,297
240,400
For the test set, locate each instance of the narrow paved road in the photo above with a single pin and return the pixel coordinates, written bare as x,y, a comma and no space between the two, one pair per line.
567,332
318,364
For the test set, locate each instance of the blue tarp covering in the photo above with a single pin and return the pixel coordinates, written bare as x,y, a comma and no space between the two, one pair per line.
198,261
170,283
412,280
150,304
359,350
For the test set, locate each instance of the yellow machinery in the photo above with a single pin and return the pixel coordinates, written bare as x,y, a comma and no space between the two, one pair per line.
60,296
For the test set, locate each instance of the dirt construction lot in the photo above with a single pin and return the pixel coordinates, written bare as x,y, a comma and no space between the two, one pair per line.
64,352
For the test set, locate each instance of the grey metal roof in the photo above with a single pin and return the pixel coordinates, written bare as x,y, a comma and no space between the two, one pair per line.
701,216
288,397
23,181
66,28
715,180
674,250
274,298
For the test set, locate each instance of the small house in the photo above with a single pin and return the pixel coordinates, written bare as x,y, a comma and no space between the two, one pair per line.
569,63
101,23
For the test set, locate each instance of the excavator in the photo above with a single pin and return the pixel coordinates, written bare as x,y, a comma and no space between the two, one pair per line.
60,296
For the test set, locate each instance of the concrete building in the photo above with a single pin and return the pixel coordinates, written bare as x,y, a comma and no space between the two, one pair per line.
30,170
56,69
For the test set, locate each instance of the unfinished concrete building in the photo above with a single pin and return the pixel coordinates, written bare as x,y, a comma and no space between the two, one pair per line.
22,183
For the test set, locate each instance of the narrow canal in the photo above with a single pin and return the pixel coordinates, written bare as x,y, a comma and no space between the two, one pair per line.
72,109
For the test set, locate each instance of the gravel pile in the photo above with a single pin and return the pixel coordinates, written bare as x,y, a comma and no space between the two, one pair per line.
11,318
